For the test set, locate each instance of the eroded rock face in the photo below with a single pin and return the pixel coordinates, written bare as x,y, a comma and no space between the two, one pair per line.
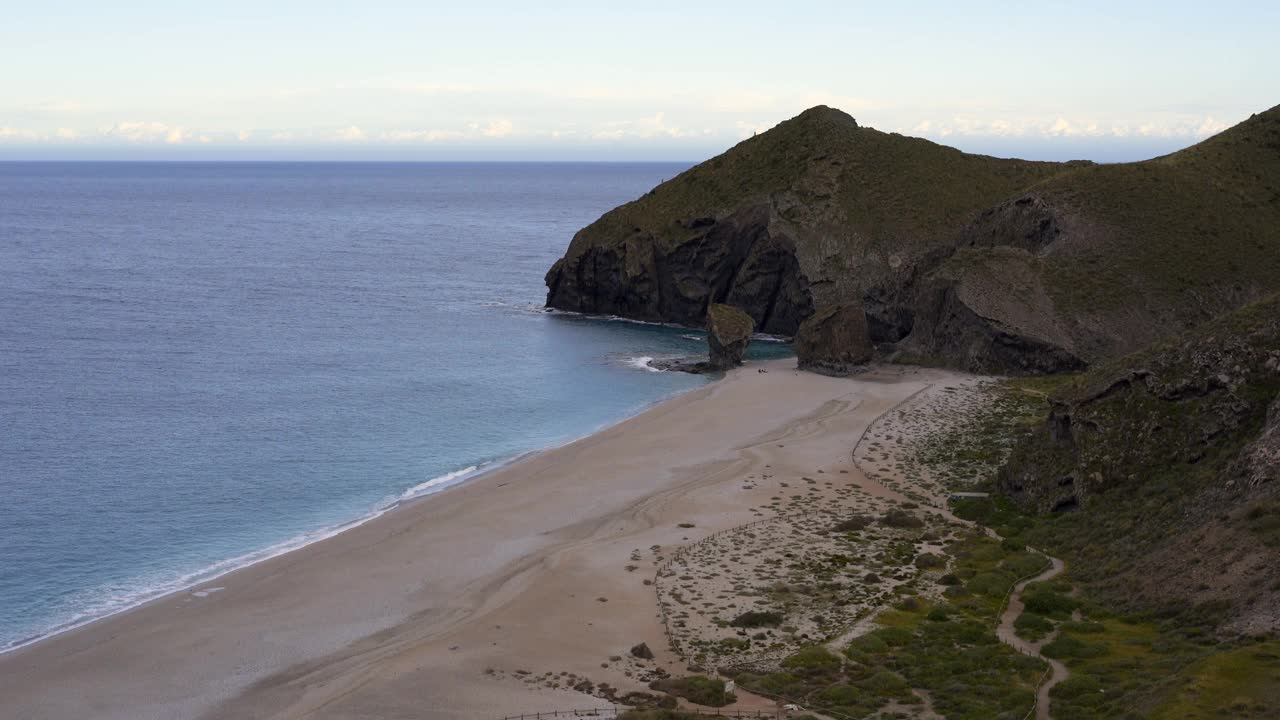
1259,464
991,312
783,223
1170,455
728,334
1177,404
965,260
1027,222
741,258
834,340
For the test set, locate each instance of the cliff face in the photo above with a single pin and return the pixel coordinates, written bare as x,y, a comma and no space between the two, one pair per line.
977,262
834,340
817,211
746,258
1168,456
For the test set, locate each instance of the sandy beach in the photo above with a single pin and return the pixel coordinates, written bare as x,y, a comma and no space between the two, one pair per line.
490,598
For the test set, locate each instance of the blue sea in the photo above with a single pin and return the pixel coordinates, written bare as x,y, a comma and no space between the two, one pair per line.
206,364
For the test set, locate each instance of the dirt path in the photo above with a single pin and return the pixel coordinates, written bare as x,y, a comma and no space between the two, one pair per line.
871,483
1005,631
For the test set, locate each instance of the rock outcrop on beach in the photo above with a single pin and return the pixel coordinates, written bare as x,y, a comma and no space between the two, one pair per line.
729,331
728,334
973,261
834,340
816,211
1168,456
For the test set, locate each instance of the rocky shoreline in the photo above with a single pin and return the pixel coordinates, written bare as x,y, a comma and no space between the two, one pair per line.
968,261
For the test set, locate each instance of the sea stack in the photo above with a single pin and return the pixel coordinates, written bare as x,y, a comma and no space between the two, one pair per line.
834,340
728,334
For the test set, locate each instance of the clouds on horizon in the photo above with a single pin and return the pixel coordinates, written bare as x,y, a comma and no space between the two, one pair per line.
1195,127
425,119
601,80
723,121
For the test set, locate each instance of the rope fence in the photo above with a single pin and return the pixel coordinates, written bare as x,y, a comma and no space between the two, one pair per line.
591,713
1008,594
679,554
616,711
1036,702
784,700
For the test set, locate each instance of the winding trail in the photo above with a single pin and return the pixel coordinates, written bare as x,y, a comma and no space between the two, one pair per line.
1005,632
1014,607
762,452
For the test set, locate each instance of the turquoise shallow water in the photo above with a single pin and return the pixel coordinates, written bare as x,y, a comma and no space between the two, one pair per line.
206,364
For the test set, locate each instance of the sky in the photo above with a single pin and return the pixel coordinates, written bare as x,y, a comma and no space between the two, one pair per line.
652,80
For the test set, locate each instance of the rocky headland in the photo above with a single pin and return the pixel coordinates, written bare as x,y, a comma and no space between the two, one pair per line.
1136,445
974,262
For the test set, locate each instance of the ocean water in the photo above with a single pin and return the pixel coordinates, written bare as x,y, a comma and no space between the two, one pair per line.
206,364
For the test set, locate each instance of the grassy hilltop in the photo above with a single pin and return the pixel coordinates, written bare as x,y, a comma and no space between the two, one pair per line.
1113,257
967,260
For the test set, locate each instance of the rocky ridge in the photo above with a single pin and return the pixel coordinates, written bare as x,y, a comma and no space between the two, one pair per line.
1169,456
972,261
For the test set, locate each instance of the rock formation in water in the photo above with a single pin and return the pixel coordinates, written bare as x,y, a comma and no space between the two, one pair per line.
968,260
728,334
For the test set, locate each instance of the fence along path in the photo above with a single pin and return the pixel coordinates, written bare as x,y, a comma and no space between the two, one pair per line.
679,554
616,711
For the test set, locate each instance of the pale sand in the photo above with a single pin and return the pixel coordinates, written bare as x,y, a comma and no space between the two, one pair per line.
402,616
